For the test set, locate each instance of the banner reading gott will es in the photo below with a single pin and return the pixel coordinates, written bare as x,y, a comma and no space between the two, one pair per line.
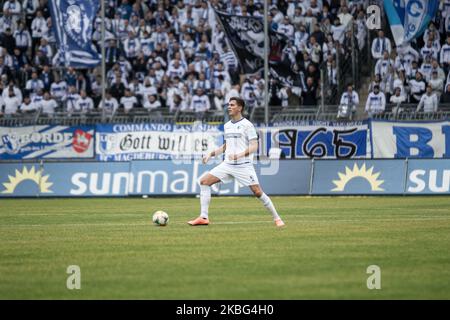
124,142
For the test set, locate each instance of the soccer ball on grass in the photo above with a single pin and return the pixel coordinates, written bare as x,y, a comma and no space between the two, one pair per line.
160,218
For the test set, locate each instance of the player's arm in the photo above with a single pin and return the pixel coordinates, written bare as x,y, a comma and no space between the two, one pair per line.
252,148
214,153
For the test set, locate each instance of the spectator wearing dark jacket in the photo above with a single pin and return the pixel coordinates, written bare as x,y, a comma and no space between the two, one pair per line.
445,98
8,41
310,95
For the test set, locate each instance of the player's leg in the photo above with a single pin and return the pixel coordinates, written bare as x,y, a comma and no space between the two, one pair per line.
246,176
205,193
216,175
265,200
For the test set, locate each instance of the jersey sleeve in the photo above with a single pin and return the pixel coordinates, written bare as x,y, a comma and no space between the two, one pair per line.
251,133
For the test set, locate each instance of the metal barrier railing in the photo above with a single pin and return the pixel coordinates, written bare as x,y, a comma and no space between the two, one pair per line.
403,112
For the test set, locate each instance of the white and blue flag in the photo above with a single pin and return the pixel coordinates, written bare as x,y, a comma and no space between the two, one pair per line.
73,24
409,18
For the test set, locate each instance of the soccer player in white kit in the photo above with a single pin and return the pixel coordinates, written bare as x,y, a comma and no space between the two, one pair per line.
241,141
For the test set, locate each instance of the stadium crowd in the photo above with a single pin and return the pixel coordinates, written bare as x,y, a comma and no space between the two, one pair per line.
174,55
416,73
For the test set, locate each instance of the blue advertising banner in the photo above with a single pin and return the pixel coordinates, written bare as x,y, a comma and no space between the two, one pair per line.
315,139
170,177
428,176
336,177
48,141
156,177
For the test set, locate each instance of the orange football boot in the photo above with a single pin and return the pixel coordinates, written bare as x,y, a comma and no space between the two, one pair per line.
199,222
279,223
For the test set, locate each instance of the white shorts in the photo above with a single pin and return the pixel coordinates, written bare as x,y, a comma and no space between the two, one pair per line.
244,173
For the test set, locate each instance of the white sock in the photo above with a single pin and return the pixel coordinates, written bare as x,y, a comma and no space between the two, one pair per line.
269,206
205,199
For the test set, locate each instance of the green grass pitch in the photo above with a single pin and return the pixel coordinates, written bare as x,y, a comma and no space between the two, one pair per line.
323,253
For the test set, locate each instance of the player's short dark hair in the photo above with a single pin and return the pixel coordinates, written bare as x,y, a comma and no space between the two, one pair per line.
239,101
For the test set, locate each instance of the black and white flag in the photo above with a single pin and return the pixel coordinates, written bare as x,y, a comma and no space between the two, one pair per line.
246,37
73,22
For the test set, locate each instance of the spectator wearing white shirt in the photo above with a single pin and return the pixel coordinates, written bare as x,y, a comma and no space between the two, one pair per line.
34,84
350,98
436,83
48,104
39,29
14,8
28,106
338,31
200,103
175,70
428,50
407,54
379,45
176,103
131,46
58,89
445,55
30,7
344,16
277,15
147,90
202,83
128,101
435,67
84,104
428,101
376,102
46,48
109,106
397,99
23,38
417,88
11,103
17,91
286,28
71,99
383,65
152,103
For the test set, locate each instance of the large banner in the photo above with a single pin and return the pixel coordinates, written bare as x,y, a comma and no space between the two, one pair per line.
411,139
49,141
163,177
409,18
145,141
73,24
316,139
156,177
246,37
340,177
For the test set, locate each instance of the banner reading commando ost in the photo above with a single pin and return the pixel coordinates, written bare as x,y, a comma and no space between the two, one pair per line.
145,141
49,141
315,139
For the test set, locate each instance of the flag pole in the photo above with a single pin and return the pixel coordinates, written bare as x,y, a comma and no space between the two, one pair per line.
266,64
103,60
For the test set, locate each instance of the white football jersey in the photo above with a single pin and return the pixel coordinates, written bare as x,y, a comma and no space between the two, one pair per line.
237,137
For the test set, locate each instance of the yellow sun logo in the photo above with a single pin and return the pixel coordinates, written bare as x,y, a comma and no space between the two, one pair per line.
25,174
362,172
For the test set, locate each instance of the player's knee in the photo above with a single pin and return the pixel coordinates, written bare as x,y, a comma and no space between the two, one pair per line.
258,192
203,181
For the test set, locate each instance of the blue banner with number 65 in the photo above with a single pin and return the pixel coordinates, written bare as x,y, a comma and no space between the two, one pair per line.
332,140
